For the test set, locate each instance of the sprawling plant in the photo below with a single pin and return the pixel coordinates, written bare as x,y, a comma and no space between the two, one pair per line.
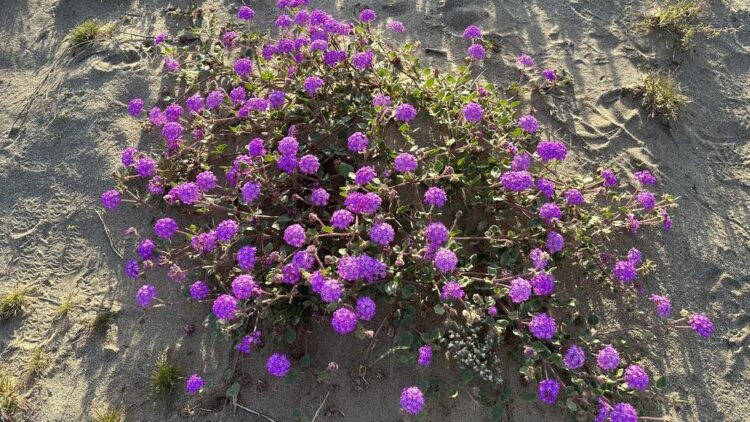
325,170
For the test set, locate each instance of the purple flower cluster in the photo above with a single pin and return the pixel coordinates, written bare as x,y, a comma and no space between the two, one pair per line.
344,321
608,358
361,267
542,326
520,290
548,390
452,290
574,358
294,235
278,365
473,112
552,150
528,123
435,196
194,384
365,308
445,260
543,283
362,203
701,324
225,307
405,163
663,306
636,378
382,233
358,142
412,400
517,181
145,295
425,355
248,343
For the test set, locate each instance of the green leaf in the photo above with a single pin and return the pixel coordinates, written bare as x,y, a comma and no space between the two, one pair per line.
290,335
661,382
498,411
234,390
344,169
593,319
571,405
528,396
439,309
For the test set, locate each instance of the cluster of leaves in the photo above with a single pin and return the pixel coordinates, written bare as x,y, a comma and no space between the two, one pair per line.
494,226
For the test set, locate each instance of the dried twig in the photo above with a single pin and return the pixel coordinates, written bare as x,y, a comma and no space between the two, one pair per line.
321,406
106,231
258,414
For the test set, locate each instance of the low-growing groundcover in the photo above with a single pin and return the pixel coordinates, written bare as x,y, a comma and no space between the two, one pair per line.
324,170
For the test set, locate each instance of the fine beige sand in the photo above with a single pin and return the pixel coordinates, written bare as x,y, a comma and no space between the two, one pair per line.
63,123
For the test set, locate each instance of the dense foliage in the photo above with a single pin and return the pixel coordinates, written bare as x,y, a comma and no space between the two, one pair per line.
325,171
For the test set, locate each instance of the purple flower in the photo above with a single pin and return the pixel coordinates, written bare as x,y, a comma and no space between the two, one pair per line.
238,95
243,67
146,248
412,400
542,326
156,117
195,103
245,287
472,31
525,61
294,235
165,228
199,290
492,311
128,156
624,412
520,290
204,242
555,242
352,268
227,230
229,38
528,123
634,256
161,37
245,13
367,15
435,196
276,99
573,197
476,52
405,113
177,274
609,178
341,219
548,390
344,321
319,45
365,175
549,74
436,234
624,271
206,180
550,212
302,18
188,193
132,269
380,100
248,343
172,131
313,84
283,21
255,148
645,178
575,357
360,203
405,163
334,57
171,64
309,164
173,112
544,284
663,306
250,191
365,308
452,290
517,181
633,223
667,221
551,150
135,107
145,295
194,384
701,324
646,199
225,307
303,259
538,259
363,60
214,99
357,142
608,359
636,378
382,234
156,185
445,260
331,290
288,146
278,365
290,274
319,197
111,199
521,162
425,355
546,187
246,257
396,26
473,112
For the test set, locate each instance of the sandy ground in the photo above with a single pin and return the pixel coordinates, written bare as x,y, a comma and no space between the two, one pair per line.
55,161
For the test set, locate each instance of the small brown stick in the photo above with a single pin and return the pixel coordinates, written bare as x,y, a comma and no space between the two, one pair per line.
258,414
109,237
321,406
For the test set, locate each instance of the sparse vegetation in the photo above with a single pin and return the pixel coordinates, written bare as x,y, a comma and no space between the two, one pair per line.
11,401
110,414
661,94
89,31
38,362
64,307
165,376
13,302
684,19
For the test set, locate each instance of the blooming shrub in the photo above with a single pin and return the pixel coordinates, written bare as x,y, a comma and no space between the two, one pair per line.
295,182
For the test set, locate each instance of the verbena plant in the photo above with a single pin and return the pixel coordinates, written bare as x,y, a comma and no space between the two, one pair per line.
324,170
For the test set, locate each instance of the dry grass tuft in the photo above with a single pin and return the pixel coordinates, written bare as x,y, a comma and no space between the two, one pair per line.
661,94
684,19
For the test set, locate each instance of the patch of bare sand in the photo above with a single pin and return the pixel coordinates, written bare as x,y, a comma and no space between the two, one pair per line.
55,161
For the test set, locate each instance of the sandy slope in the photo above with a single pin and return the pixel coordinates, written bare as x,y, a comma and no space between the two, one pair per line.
56,161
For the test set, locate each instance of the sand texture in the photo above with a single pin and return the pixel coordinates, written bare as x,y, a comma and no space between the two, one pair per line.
63,124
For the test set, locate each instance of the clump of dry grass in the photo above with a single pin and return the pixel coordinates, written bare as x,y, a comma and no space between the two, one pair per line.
683,19
101,322
13,302
11,400
661,94
38,362
110,414
165,376
88,32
